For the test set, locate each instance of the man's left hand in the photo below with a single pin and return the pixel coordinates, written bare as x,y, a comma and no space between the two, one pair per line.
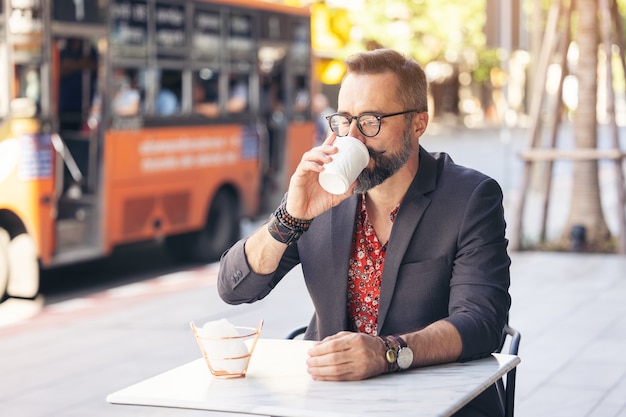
347,356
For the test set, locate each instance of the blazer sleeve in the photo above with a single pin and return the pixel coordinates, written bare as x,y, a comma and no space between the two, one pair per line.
237,283
479,298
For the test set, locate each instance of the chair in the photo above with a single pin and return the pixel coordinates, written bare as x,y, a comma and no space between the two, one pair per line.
505,385
297,332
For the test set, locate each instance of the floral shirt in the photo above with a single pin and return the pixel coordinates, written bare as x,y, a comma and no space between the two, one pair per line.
365,273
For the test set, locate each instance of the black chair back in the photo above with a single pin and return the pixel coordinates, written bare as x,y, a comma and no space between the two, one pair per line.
506,384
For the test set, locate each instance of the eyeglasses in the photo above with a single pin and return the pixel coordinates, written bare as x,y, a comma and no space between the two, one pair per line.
368,123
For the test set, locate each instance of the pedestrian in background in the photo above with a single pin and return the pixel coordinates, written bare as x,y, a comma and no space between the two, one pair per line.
321,109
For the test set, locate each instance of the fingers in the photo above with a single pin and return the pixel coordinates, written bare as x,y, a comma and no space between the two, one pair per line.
345,356
311,164
330,365
314,159
306,198
330,139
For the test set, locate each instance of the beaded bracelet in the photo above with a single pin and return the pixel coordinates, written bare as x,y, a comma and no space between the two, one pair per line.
284,227
288,220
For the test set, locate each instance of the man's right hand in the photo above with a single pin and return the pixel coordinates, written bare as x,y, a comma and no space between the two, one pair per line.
306,199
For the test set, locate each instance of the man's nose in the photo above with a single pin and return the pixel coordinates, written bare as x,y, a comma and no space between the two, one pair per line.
354,130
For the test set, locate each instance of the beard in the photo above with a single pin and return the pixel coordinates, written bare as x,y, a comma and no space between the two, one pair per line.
384,165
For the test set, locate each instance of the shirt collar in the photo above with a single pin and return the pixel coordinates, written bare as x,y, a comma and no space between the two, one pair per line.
363,210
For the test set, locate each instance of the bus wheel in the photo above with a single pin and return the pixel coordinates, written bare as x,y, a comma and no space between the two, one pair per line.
4,262
23,267
19,278
221,230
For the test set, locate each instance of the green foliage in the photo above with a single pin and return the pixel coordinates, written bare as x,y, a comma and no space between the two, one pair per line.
425,29
488,59
621,4
428,30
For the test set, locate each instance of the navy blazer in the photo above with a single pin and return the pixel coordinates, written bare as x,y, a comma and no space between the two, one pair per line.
446,259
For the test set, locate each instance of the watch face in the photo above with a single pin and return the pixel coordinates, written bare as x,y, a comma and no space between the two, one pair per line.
405,358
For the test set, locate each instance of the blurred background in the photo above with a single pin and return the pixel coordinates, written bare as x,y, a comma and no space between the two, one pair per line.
140,138
142,122
138,121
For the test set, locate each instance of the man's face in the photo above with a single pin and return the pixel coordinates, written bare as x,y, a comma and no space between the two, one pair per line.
393,145
385,164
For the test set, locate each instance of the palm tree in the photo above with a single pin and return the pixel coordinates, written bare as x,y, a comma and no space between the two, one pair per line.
586,207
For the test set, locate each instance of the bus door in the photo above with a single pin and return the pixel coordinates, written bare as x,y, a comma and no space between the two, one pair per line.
77,71
284,68
273,50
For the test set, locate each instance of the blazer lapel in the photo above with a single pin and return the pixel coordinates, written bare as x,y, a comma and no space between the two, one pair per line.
342,224
411,210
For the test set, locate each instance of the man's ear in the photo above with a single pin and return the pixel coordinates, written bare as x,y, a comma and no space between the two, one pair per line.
420,123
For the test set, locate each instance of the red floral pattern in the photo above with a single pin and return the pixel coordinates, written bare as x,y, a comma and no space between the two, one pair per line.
365,273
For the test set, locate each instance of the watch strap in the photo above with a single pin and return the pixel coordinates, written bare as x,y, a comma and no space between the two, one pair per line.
391,355
400,341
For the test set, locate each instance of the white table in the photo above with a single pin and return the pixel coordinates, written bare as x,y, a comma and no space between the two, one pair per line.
277,384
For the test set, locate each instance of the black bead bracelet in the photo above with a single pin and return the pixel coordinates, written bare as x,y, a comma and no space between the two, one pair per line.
284,227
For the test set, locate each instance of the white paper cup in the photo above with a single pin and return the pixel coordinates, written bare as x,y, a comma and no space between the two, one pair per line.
350,160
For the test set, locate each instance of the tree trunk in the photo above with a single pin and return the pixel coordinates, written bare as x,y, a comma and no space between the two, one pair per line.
586,207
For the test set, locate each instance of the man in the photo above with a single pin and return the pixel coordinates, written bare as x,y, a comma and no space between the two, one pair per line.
126,98
166,102
408,268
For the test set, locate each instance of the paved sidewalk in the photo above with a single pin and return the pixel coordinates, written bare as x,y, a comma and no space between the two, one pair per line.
571,312
569,308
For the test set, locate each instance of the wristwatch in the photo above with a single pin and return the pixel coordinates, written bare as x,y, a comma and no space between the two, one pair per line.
404,356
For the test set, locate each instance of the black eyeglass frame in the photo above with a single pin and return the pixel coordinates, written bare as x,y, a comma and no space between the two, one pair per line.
378,117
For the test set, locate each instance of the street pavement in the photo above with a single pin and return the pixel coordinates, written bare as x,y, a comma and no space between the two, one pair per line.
569,308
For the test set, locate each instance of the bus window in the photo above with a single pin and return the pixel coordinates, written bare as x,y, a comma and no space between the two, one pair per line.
300,57
82,11
4,95
272,94
126,99
28,86
77,83
206,34
205,92
237,93
300,63
302,98
240,43
129,30
167,100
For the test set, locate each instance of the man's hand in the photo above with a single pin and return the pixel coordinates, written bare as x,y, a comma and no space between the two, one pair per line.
306,199
347,356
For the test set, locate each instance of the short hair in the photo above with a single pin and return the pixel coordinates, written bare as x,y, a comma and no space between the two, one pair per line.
412,87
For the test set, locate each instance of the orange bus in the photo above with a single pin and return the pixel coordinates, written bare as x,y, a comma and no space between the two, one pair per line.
135,120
